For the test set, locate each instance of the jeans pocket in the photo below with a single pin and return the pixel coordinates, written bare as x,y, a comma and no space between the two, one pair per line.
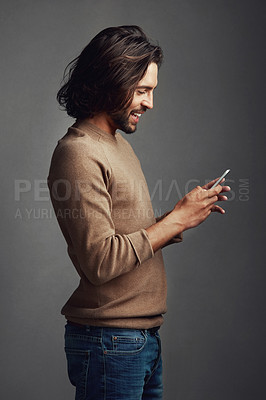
126,343
77,368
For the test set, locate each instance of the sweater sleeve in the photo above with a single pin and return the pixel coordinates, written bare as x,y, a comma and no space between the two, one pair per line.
79,183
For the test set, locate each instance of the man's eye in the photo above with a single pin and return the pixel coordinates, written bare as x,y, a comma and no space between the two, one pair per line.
141,92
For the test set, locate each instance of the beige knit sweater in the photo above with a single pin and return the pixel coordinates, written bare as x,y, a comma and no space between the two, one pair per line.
102,204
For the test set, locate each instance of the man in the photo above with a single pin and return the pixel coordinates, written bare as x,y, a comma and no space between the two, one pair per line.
103,207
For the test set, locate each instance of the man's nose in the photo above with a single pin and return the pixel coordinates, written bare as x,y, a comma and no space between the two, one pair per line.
148,101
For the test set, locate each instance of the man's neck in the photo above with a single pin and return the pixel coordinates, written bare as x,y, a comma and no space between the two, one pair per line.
104,122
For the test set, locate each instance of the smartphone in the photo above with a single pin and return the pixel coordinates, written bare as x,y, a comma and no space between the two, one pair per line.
219,180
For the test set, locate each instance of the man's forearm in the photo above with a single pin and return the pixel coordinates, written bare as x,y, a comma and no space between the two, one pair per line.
188,213
163,231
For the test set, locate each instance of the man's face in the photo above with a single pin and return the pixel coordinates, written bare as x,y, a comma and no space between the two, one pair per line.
127,120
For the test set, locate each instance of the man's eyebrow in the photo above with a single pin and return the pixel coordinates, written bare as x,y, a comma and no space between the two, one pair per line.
146,87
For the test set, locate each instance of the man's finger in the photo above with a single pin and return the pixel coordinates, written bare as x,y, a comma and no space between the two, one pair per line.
222,198
218,209
215,191
226,189
210,184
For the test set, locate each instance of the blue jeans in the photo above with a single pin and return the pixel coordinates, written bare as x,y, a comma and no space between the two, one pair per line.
114,363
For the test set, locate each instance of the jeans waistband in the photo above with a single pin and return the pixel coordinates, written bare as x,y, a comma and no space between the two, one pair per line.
151,331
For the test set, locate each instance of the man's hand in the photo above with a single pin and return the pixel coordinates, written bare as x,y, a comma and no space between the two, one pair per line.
188,213
197,205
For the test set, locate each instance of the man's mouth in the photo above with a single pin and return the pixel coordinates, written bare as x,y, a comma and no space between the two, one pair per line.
135,116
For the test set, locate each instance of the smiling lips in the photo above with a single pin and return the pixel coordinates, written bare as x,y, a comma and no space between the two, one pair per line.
135,116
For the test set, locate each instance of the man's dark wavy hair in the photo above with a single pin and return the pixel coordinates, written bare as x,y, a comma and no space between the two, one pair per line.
104,76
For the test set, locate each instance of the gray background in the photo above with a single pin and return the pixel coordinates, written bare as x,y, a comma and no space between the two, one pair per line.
208,116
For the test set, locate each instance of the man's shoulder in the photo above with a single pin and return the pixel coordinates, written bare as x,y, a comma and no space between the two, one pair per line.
76,143
77,151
